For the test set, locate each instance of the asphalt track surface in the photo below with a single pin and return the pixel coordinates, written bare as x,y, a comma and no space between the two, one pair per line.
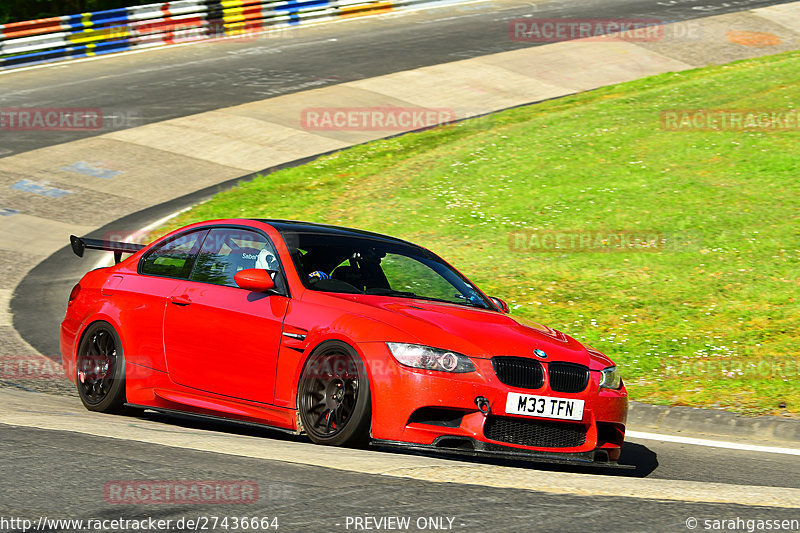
654,459
49,465
60,473
182,80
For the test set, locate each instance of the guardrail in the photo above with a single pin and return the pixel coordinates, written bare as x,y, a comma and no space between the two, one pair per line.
118,30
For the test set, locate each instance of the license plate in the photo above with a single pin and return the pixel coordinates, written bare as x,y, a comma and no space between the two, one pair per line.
544,406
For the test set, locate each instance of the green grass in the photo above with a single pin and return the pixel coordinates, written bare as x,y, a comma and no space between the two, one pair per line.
710,320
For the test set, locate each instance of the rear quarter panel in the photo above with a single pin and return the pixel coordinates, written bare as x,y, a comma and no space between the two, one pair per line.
133,304
79,311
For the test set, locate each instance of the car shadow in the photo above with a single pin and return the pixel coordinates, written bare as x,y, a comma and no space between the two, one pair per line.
640,457
644,460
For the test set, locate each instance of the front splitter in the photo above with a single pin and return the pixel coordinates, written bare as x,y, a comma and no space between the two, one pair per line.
476,448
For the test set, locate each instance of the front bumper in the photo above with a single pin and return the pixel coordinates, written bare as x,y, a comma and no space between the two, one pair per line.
400,394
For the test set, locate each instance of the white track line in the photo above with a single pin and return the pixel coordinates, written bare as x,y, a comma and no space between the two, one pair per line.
711,443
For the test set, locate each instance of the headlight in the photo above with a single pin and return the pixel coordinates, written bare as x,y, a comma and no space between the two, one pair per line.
425,357
610,378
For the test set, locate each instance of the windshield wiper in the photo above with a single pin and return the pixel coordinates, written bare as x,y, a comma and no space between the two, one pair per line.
391,292
468,301
465,303
405,294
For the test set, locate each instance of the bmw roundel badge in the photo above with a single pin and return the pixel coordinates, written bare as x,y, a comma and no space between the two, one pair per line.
541,354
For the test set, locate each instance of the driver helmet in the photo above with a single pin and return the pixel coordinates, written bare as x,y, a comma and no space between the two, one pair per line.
266,260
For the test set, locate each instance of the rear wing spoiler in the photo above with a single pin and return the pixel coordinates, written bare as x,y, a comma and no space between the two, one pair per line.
80,244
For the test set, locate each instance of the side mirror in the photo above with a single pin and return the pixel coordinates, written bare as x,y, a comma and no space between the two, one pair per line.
254,279
500,304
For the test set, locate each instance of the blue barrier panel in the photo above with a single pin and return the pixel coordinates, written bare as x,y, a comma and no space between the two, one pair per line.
293,8
110,17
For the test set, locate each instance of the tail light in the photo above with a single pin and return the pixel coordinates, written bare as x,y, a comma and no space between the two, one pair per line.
74,293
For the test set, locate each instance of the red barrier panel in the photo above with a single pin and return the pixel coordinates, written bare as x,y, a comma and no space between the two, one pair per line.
30,27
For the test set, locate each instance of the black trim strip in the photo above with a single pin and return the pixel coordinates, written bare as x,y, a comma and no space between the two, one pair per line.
199,416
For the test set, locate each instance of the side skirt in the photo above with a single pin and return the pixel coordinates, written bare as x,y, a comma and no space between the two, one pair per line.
213,418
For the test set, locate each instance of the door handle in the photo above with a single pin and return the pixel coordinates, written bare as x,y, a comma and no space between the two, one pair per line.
180,300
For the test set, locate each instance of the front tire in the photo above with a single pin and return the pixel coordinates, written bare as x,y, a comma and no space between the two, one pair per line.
100,369
334,397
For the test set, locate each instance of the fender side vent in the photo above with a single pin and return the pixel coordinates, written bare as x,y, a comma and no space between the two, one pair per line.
436,416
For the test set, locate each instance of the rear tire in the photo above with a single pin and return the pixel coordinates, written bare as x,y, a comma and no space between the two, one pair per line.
100,369
334,397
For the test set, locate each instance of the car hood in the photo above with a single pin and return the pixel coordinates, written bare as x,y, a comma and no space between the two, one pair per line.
476,332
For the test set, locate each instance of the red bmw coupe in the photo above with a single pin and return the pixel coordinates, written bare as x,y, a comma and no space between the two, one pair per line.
348,336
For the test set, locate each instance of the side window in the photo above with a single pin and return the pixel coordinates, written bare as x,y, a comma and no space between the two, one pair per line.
226,251
174,258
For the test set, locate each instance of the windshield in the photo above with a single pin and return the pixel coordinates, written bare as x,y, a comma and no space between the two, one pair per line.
362,265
